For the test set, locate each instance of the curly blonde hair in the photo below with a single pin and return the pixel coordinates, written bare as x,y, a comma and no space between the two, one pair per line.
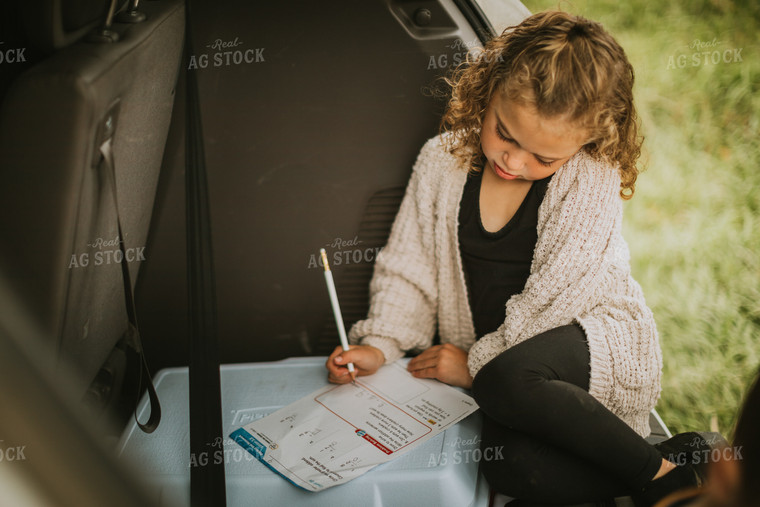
561,66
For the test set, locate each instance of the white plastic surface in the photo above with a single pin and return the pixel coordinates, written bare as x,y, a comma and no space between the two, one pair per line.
441,472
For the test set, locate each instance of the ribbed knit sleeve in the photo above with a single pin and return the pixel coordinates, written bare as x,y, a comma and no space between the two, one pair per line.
403,290
576,222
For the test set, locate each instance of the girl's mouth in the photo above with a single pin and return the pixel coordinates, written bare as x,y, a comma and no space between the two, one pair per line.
501,173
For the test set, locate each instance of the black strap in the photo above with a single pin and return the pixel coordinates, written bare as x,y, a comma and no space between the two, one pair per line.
206,482
133,332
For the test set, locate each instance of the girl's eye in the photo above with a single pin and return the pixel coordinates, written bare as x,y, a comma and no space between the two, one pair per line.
503,137
510,140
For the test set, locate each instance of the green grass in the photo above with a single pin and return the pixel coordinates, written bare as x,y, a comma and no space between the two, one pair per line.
694,223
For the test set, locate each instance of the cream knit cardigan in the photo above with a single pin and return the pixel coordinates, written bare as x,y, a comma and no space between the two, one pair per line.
580,273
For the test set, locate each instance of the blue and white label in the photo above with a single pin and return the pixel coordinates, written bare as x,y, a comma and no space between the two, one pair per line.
249,442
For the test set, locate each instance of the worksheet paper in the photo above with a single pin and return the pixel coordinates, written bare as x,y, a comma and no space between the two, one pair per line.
340,432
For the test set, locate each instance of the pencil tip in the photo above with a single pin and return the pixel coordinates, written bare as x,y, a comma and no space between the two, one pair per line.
323,254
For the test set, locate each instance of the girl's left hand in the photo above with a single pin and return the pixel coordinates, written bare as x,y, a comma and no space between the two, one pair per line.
447,363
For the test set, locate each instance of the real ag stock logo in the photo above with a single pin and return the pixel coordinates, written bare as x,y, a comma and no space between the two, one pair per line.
699,53
12,453
346,251
11,55
226,54
459,52
104,252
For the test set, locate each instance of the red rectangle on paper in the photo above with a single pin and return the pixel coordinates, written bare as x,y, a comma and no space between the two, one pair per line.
376,444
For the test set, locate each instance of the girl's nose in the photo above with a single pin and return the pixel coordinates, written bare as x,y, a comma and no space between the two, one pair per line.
514,159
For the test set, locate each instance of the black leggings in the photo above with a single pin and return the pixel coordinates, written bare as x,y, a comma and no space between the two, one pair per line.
559,444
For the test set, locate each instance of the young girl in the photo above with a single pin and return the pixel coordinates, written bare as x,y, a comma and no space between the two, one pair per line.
508,244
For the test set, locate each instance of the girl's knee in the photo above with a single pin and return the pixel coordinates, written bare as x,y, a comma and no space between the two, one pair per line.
501,386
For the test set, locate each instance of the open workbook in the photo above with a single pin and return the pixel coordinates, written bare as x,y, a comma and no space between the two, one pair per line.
340,432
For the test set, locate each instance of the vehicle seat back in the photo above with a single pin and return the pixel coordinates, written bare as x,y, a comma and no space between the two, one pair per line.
59,223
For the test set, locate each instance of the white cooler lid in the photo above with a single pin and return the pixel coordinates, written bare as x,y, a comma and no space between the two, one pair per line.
441,472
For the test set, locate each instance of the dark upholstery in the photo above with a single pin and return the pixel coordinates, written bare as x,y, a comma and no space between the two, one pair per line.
307,144
57,210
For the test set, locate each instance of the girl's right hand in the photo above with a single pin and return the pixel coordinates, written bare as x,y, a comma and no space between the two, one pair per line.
366,358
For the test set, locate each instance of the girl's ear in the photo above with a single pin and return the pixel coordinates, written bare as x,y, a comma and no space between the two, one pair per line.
724,481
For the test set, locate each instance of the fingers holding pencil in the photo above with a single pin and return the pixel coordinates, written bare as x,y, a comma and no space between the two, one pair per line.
366,360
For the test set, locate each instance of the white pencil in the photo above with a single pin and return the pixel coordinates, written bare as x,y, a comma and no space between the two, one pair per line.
336,309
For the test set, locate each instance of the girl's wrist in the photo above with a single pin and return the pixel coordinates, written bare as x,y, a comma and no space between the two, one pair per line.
379,354
388,347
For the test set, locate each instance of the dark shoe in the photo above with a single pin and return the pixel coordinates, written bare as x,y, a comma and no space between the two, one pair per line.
692,449
691,453
679,478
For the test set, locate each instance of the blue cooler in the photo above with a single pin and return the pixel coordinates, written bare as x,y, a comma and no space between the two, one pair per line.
440,472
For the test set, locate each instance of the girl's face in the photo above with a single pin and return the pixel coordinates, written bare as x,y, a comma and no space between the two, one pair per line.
519,144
